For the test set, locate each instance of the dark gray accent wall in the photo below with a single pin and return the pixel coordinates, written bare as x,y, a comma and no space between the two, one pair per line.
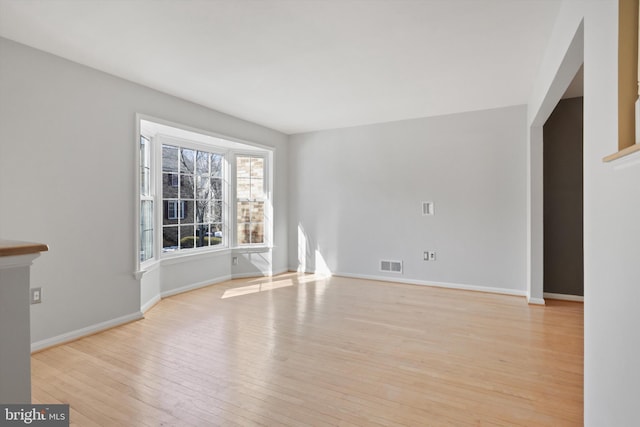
563,199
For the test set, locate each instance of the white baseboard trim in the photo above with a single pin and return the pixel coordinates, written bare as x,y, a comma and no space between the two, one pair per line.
206,283
535,301
563,297
259,274
153,301
250,275
324,273
193,286
460,286
279,272
83,332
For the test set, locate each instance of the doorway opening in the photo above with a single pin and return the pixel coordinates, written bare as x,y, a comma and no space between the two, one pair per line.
563,235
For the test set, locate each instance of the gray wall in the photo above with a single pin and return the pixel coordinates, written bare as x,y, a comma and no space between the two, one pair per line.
53,112
68,144
356,198
563,241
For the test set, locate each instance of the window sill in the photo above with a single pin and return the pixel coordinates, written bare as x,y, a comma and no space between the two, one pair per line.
146,267
250,249
622,153
174,258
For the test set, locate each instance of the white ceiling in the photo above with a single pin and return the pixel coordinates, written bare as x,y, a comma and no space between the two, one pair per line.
303,65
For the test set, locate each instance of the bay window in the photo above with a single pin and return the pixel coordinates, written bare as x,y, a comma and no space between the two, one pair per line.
200,192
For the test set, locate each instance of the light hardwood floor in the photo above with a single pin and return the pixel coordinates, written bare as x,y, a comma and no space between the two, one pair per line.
301,350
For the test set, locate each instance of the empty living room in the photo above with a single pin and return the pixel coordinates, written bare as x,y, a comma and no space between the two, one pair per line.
319,212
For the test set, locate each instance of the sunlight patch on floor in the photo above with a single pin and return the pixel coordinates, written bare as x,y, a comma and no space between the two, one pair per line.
259,287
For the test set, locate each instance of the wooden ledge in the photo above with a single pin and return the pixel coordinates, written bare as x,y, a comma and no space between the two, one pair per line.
16,247
624,152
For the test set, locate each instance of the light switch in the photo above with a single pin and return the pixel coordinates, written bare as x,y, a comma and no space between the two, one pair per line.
428,208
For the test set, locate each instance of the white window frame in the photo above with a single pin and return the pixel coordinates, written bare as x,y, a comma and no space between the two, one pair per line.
159,141
146,197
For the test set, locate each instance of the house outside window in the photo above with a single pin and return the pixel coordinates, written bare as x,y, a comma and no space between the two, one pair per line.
194,207
175,209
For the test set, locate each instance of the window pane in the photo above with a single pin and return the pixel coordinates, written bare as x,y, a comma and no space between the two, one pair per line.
170,182
169,158
145,181
144,152
257,233
146,214
207,212
146,230
189,214
216,165
171,212
243,167
169,239
187,158
244,211
202,235
145,166
257,212
203,187
244,189
216,234
244,234
257,189
202,163
187,186
217,211
216,188
187,237
257,167
203,211
146,251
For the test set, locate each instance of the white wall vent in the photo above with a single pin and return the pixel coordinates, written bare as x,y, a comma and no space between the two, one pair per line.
391,266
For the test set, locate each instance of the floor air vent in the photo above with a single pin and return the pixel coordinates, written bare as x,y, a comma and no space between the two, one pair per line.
391,266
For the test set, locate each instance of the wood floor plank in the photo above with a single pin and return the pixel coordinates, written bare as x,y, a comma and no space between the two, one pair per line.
297,350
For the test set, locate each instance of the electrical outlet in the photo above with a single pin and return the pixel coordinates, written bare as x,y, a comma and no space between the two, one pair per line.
234,260
36,295
425,256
